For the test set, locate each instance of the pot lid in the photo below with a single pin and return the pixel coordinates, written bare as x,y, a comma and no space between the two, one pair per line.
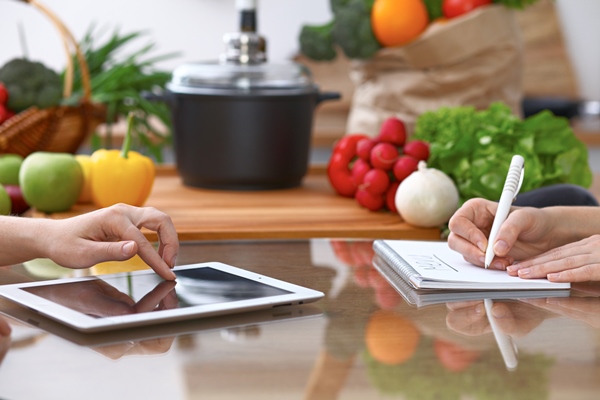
223,74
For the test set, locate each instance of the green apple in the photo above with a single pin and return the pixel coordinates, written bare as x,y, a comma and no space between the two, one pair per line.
9,168
51,182
5,202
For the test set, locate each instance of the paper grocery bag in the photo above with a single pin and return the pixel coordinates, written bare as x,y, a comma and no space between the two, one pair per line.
475,59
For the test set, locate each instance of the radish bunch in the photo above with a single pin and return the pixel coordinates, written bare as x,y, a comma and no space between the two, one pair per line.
371,169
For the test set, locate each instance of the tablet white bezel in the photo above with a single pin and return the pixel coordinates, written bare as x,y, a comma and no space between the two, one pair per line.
85,323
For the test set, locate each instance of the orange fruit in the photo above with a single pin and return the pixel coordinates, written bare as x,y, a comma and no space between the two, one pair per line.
397,22
391,338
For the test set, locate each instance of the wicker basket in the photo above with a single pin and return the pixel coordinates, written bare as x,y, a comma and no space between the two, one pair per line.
60,128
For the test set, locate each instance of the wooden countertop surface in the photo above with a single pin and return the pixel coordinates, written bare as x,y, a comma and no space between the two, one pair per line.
311,210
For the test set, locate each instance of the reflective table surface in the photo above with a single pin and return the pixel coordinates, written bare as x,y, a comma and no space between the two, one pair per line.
362,341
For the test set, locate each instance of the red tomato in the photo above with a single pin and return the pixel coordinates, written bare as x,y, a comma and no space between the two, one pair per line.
454,8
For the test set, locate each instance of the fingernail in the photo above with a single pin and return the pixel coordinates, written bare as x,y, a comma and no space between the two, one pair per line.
173,261
498,265
479,309
498,312
482,259
481,246
553,276
501,247
512,268
524,271
127,249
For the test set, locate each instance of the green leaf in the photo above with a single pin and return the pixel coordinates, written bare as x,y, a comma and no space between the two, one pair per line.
120,70
475,148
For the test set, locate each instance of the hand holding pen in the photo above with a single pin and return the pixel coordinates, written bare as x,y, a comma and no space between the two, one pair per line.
514,180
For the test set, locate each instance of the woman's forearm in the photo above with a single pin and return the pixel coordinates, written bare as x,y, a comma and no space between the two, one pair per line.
22,239
571,224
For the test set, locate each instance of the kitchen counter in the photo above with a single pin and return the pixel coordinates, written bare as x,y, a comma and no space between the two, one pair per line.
312,210
362,341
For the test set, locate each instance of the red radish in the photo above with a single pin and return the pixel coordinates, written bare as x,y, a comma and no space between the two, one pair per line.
417,149
340,176
390,197
405,166
368,200
347,144
383,156
359,169
376,181
364,147
392,131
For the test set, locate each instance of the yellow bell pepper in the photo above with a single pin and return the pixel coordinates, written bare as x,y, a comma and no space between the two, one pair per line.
121,176
85,197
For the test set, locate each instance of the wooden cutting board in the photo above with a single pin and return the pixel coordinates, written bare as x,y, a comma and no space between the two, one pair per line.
311,210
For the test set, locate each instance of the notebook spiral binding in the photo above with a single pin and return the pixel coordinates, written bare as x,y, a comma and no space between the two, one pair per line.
391,257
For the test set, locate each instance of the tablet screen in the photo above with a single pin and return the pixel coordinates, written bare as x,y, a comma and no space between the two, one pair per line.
121,294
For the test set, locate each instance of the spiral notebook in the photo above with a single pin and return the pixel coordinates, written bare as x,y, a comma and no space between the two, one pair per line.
428,297
433,265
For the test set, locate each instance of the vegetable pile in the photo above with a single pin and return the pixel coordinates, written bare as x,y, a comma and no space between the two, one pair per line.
371,169
361,27
475,148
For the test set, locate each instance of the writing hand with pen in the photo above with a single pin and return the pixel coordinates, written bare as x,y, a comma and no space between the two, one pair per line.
558,243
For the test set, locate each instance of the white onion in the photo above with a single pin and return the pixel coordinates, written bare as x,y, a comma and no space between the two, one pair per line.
427,198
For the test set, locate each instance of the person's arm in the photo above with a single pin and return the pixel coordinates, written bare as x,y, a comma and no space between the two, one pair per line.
526,233
108,234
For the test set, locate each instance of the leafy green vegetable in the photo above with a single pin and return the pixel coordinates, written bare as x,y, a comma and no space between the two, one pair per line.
350,29
434,9
30,83
475,148
118,80
316,42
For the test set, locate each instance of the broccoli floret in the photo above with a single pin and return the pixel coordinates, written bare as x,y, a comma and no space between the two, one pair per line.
352,29
30,84
316,42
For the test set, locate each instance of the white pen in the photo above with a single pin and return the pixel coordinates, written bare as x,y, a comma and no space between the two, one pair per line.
505,344
513,182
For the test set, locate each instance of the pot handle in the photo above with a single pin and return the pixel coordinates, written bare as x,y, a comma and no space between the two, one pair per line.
324,96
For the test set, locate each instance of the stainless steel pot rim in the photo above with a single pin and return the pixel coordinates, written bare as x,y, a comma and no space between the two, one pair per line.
213,74
263,91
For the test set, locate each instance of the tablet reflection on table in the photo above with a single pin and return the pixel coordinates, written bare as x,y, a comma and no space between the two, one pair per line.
98,298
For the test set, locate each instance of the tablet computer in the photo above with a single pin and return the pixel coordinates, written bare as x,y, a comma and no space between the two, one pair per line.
124,300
